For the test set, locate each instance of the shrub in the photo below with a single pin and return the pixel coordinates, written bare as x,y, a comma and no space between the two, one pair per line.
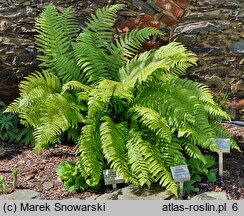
124,110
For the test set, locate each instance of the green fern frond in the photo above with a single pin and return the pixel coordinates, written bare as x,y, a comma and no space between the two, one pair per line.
94,68
126,47
101,25
67,69
33,92
113,138
156,165
102,95
51,39
56,33
90,153
58,115
169,150
193,151
70,24
154,121
166,58
75,85
40,84
129,44
137,161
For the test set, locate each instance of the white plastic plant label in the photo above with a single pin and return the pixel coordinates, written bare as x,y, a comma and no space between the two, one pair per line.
111,177
180,173
224,144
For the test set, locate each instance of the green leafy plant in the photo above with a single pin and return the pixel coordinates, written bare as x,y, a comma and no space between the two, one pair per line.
15,177
3,184
71,175
127,111
221,98
10,129
199,169
1,150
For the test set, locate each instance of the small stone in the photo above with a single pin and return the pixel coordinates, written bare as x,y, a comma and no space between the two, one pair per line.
237,47
212,196
109,196
202,27
47,186
22,195
144,7
134,193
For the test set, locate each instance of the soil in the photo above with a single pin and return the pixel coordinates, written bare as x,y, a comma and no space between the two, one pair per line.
38,172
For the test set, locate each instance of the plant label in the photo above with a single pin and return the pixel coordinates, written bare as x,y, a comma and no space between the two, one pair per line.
112,178
180,173
224,144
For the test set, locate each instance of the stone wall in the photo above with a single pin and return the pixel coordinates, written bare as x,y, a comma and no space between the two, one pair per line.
17,50
213,29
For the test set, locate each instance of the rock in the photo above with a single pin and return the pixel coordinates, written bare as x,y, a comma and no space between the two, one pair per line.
237,47
144,7
22,195
109,196
202,27
134,193
212,196
47,186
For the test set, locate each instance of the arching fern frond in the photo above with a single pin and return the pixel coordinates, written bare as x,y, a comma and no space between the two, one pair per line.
58,115
152,157
90,153
172,58
113,137
137,161
33,92
129,44
55,36
126,47
152,120
51,39
101,25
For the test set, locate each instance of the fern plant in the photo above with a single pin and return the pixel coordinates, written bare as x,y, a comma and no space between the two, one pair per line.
124,110
10,129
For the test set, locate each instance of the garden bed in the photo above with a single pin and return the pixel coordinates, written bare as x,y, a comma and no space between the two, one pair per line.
38,172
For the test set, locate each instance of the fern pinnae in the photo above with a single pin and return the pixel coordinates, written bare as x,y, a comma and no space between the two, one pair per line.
114,148
136,160
154,121
90,153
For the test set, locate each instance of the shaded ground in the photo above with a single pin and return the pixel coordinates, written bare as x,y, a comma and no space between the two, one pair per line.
38,172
